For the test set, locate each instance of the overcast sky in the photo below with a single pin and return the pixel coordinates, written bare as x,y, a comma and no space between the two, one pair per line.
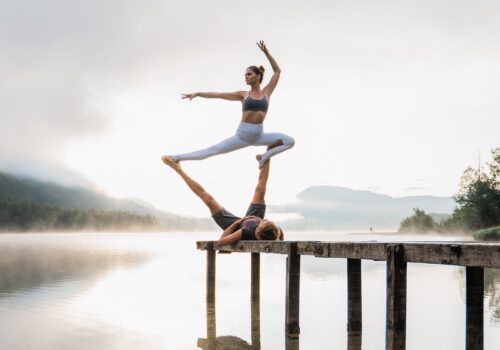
393,96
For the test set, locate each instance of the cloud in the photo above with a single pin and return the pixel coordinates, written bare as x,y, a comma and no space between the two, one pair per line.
367,75
414,188
373,188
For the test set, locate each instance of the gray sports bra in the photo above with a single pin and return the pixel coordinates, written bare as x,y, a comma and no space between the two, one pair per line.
250,104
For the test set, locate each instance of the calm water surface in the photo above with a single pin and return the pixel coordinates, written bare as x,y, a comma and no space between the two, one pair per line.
147,291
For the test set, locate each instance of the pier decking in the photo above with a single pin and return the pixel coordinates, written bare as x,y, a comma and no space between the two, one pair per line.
474,256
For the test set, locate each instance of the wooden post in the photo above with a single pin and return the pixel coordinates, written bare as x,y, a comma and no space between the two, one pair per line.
354,304
474,290
396,298
292,328
255,300
211,326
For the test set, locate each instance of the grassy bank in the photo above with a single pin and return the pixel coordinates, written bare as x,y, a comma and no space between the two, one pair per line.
488,234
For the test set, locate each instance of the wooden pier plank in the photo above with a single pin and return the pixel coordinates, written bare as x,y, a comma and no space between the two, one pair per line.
479,254
354,304
292,325
255,300
210,296
396,298
474,290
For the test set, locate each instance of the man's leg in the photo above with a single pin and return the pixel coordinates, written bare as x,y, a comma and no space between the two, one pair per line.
197,189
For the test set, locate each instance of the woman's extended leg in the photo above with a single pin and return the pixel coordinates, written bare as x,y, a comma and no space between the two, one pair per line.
197,189
269,138
228,145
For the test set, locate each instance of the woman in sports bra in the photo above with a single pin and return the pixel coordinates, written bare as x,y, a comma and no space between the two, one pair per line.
250,132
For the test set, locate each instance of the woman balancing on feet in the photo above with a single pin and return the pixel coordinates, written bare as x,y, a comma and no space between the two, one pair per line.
252,226
250,132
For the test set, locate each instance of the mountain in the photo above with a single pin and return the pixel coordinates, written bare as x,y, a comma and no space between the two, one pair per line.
331,207
24,190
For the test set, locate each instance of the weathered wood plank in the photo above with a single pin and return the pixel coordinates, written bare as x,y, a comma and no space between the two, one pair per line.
354,304
255,300
357,250
396,298
462,254
292,326
210,296
249,246
450,253
474,290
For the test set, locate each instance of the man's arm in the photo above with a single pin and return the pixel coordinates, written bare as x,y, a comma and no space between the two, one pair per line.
260,189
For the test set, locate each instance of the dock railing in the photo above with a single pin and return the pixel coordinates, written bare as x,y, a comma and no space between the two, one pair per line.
474,256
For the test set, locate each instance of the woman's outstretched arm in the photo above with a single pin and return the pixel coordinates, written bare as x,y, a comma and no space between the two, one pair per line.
230,96
268,90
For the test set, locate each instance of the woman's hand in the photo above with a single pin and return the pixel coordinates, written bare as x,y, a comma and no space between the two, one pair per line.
190,96
262,46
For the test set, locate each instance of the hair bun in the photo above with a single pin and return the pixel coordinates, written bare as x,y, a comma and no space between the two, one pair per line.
262,69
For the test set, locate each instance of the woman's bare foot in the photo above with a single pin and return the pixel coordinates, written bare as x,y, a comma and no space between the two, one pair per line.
259,156
171,163
261,162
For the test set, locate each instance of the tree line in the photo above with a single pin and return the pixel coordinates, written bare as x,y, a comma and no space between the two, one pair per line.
478,205
23,217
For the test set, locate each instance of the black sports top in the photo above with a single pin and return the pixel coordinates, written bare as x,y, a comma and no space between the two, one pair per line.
248,228
251,104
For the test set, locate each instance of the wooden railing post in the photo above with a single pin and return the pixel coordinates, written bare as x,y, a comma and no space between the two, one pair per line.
292,328
210,297
354,304
474,290
255,300
396,298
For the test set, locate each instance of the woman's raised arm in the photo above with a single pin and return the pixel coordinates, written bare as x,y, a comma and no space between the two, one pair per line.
268,90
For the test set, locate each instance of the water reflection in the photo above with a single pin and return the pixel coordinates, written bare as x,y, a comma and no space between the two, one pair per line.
229,342
24,267
491,292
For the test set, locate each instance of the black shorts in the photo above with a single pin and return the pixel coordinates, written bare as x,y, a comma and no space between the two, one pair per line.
223,218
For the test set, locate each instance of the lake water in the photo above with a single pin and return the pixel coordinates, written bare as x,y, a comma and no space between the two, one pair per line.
147,291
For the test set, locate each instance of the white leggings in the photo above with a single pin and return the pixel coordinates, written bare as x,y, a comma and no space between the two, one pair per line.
247,134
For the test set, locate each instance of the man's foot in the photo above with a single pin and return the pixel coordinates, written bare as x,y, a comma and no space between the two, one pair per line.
170,162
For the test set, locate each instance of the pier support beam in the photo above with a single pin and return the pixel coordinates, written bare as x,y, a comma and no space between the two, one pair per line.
395,338
292,328
211,328
255,300
354,304
474,290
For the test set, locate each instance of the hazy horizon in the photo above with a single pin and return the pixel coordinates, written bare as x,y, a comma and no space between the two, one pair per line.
395,97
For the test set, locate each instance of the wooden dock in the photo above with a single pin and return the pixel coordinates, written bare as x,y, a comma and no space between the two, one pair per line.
474,256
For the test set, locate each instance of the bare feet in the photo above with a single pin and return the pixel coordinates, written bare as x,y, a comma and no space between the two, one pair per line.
259,156
261,162
171,163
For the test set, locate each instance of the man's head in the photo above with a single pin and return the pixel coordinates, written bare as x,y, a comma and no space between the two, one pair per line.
269,231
